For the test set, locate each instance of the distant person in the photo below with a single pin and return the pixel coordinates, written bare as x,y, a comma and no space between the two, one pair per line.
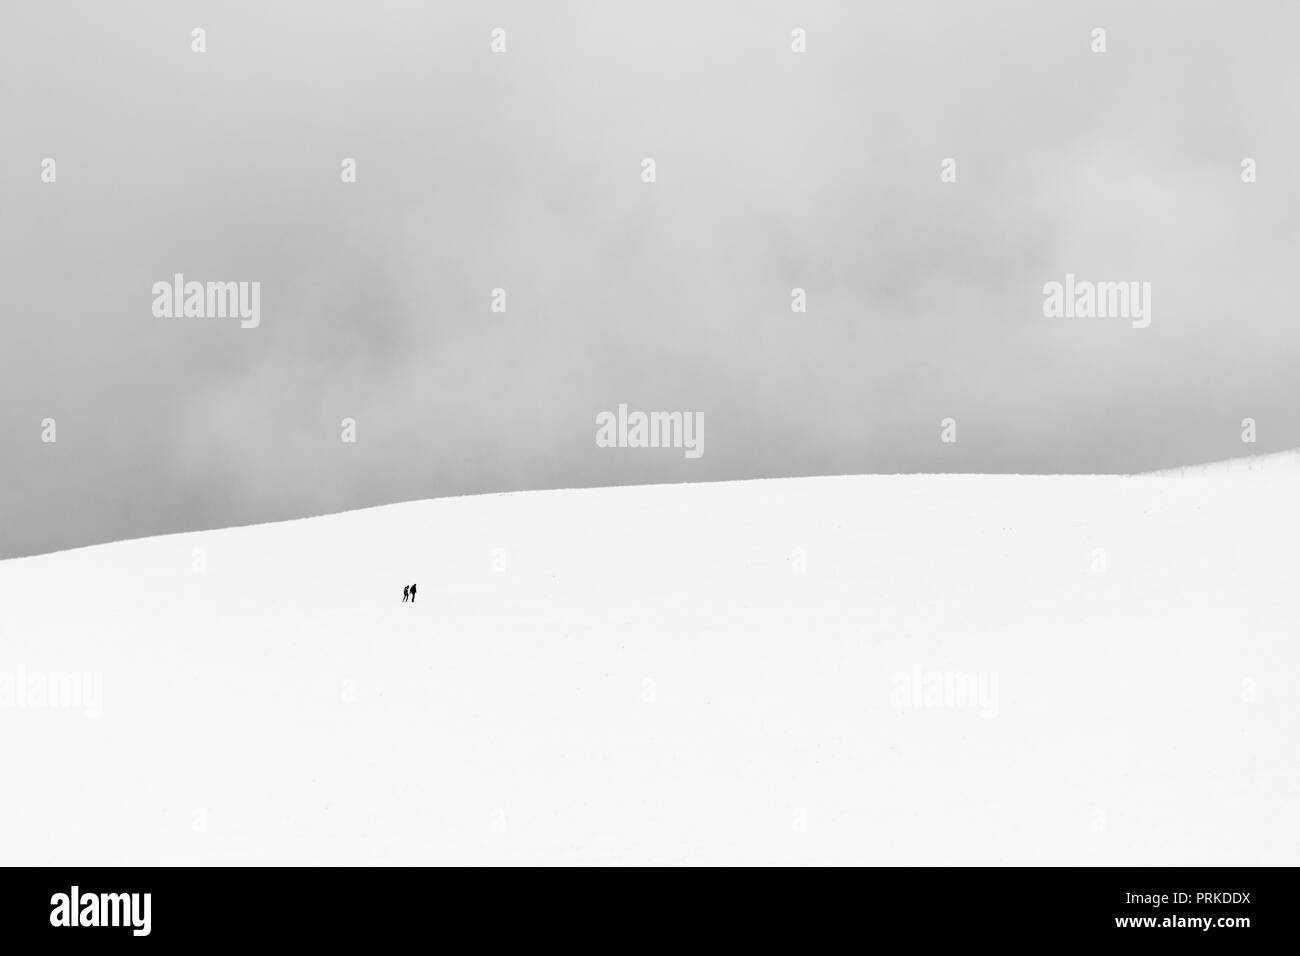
406,592
412,593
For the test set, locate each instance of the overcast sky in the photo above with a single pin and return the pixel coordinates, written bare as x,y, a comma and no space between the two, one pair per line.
523,171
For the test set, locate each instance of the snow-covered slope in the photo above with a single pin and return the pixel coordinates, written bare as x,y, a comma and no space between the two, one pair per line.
869,670
1276,461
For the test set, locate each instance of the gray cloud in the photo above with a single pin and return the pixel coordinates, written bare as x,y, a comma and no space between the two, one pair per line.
521,171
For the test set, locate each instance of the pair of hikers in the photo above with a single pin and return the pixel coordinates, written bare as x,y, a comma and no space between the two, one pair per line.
408,591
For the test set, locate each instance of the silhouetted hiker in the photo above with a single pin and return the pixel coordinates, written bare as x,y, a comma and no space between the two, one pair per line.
406,592
412,593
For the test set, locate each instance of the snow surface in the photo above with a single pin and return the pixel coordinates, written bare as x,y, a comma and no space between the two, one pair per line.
652,678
